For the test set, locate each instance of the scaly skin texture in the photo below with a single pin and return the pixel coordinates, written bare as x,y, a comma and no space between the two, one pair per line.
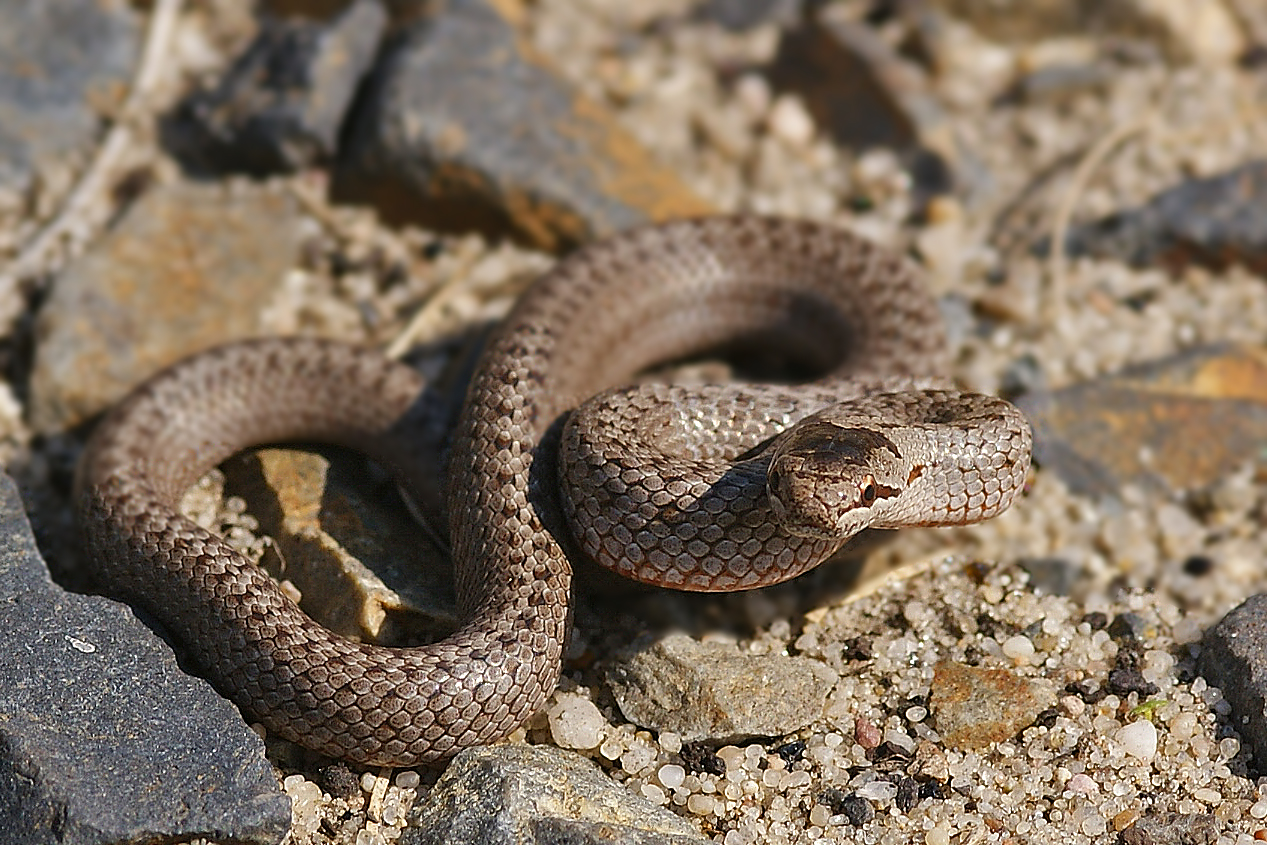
829,300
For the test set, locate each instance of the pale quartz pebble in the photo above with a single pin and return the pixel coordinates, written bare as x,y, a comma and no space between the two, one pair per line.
368,779
637,758
1207,796
790,122
899,738
820,815
1139,739
576,722
671,776
1073,706
1018,648
701,805
1094,825
1157,665
1258,809
771,778
754,94
1183,726
408,780
1229,747
671,742
937,835
732,756
1083,784
1187,630
653,793
877,790
794,780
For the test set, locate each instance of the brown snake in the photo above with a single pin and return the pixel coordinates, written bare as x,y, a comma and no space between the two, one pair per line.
903,453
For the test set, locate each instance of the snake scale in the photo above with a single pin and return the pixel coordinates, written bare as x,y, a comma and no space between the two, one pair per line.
668,485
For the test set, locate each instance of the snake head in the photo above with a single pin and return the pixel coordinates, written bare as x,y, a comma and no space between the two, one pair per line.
829,481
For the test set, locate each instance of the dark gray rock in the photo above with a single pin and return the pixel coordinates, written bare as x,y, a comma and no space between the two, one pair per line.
64,62
103,740
741,15
525,795
281,105
1215,221
1234,658
463,127
713,691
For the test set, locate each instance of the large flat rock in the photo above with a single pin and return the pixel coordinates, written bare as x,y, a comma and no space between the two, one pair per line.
103,739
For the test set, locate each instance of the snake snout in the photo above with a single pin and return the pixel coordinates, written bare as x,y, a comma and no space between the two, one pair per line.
811,503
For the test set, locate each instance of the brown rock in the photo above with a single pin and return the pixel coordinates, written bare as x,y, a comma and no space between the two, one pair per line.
974,707
364,567
713,691
466,127
1172,425
188,268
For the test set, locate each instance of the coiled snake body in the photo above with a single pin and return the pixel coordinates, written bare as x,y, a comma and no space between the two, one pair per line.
665,485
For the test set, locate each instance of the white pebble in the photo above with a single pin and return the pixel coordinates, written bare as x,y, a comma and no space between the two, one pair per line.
671,742
900,738
877,790
701,805
790,122
820,815
671,776
794,780
637,758
1094,825
1083,784
1018,648
575,722
937,835
653,793
408,780
1206,795
1139,739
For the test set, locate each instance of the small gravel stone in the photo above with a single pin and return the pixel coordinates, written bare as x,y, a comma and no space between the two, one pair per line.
1139,739
709,690
576,722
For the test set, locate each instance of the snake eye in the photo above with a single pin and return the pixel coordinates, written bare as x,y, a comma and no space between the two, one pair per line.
868,491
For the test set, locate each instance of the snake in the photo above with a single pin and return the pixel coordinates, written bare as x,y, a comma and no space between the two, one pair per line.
560,449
